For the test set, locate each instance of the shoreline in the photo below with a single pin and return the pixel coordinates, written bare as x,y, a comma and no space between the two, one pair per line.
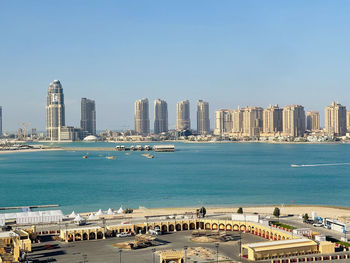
321,210
30,150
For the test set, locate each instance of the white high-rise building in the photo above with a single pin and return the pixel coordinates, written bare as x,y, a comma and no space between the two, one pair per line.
203,121
55,111
160,116
142,117
183,121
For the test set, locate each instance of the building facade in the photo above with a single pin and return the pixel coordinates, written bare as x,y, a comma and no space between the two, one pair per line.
223,122
272,120
313,121
348,120
160,116
55,110
183,120
335,119
252,121
294,121
237,119
88,116
203,121
142,122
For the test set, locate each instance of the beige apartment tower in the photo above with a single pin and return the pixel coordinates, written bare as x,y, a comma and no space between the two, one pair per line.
252,121
160,116
55,112
183,121
348,120
237,119
203,122
142,117
223,122
335,119
294,121
272,120
313,121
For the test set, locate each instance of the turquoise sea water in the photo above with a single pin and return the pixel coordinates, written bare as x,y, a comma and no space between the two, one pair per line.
196,174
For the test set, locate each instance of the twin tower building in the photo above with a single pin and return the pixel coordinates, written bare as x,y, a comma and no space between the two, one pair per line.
183,120
56,128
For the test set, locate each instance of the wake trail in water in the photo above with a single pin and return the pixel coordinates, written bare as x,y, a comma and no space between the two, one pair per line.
319,164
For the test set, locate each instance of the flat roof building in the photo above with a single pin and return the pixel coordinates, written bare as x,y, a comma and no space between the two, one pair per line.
223,122
160,116
272,120
294,121
88,116
183,120
142,117
252,121
203,121
335,119
313,121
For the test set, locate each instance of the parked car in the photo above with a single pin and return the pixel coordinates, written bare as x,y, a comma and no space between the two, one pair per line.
124,234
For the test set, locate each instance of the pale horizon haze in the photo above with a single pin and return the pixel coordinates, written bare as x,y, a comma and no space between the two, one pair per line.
229,53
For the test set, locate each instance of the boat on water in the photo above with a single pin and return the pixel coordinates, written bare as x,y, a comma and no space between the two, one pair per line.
147,155
111,157
295,165
85,156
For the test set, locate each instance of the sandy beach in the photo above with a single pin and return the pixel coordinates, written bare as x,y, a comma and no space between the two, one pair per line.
322,211
30,150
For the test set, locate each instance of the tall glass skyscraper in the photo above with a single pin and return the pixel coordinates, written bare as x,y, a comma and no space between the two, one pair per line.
142,117
160,116
55,113
88,116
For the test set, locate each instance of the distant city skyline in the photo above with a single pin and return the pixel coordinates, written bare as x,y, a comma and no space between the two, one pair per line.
242,53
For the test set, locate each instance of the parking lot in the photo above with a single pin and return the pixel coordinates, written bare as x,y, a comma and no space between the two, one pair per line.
103,251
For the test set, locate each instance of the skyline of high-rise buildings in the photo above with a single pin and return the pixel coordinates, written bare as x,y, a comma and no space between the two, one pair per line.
88,116
55,110
141,115
160,116
203,121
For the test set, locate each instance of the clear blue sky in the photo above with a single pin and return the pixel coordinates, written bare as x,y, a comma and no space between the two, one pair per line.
229,53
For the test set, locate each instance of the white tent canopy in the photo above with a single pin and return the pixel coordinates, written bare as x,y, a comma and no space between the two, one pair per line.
92,217
78,218
23,218
110,212
99,213
120,211
72,215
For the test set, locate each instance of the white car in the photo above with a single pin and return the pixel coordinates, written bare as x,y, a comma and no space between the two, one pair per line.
317,225
124,234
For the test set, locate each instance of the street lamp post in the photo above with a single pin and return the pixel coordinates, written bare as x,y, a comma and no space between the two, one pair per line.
120,256
217,252
185,249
